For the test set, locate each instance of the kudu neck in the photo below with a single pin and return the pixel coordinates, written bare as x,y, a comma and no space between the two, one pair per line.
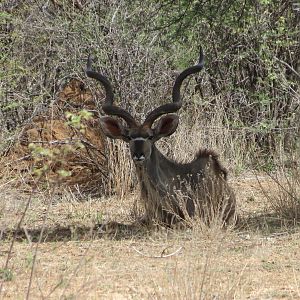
154,168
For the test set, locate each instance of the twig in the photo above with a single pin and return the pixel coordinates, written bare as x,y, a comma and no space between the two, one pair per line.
27,236
158,256
57,142
39,241
18,227
288,66
8,182
67,283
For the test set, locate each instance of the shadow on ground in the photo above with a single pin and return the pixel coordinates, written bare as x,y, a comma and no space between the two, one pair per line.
68,233
264,223
267,223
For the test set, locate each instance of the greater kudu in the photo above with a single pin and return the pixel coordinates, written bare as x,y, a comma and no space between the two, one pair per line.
170,191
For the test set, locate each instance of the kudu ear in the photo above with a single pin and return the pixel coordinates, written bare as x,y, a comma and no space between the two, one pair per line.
113,128
166,126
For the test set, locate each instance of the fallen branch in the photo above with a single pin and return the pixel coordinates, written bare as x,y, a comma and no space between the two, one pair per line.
162,255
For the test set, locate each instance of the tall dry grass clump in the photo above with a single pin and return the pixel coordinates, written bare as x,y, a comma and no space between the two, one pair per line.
285,198
204,273
121,169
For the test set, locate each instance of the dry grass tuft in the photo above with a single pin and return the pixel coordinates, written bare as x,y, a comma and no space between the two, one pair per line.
196,262
284,198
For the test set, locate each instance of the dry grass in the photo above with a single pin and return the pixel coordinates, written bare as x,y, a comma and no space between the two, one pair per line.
257,261
286,200
73,258
76,260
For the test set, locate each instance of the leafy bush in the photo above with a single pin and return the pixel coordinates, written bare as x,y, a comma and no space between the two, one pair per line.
251,74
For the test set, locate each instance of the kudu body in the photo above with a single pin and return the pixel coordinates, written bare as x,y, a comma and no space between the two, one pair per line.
170,191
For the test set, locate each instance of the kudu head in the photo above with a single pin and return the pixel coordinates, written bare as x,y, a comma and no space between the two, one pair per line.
141,137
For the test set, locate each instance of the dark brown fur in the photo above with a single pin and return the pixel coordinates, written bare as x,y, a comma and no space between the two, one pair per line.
215,157
202,183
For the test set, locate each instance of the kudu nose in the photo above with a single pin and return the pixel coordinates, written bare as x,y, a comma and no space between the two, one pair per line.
139,157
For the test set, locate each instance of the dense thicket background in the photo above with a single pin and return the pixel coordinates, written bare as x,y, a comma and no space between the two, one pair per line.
250,85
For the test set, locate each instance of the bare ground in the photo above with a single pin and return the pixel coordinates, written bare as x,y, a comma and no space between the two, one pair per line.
77,260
